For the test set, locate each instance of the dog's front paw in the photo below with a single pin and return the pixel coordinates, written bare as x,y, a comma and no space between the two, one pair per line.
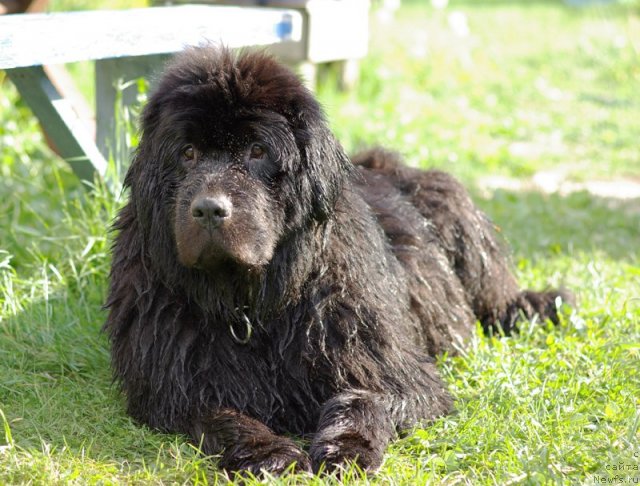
272,454
350,446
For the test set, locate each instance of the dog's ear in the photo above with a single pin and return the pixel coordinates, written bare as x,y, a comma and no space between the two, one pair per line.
141,196
327,168
144,178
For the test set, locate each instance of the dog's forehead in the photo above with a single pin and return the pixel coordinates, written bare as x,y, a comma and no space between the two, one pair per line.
232,82
205,116
225,84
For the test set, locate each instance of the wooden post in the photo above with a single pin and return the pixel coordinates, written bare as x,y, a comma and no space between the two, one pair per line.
65,129
112,101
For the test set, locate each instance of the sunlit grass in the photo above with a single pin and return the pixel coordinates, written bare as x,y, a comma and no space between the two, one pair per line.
533,85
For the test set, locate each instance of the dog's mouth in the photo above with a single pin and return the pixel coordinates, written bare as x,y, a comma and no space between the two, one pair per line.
214,256
213,249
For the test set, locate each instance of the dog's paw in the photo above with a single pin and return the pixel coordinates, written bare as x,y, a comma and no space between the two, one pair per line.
328,453
273,454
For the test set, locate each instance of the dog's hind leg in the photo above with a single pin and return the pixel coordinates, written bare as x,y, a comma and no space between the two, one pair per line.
469,240
478,258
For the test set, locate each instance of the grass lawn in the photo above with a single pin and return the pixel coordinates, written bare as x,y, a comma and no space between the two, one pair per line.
482,89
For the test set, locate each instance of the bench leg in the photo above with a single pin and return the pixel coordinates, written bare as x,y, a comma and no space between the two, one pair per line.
64,128
117,91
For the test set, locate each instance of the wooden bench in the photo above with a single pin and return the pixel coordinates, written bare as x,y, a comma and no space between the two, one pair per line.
124,44
334,31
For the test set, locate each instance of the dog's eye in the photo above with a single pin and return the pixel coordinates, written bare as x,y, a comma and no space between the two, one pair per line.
257,151
188,153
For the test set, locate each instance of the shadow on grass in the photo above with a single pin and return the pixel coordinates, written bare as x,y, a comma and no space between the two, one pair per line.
544,225
59,398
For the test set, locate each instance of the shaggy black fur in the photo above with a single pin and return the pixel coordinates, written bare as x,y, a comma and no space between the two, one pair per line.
262,284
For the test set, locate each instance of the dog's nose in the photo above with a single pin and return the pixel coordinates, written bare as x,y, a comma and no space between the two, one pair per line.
210,212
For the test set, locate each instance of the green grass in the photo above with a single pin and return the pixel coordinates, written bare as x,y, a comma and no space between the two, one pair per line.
535,85
553,405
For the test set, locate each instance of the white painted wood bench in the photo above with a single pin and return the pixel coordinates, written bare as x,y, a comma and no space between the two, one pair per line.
124,44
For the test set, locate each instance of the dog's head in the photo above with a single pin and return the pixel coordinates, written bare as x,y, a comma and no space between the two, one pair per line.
235,155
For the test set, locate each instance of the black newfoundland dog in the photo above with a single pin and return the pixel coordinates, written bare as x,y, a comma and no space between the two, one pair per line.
264,284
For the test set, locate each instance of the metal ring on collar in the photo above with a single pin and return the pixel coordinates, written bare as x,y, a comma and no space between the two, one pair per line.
249,327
